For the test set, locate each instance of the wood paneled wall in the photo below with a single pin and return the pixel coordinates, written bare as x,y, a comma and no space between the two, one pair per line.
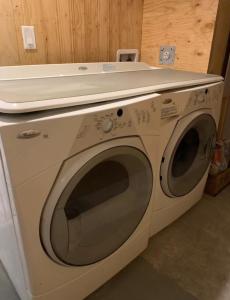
187,24
221,39
69,30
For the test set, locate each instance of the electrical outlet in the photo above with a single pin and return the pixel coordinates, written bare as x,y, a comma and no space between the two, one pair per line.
167,55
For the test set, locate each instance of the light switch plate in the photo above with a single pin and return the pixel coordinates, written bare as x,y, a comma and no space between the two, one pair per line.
167,55
28,36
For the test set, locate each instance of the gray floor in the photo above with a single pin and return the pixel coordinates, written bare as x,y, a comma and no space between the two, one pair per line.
139,281
189,260
195,250
7,291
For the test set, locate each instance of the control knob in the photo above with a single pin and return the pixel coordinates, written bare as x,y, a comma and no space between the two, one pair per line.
200,98
107,125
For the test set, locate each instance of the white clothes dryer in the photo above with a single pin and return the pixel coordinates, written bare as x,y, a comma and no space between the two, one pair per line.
188,127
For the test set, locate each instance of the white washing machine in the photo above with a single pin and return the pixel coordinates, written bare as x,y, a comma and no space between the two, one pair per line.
80,155
188,127
76,201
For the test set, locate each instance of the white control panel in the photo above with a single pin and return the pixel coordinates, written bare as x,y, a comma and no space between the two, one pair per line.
128,120
188,100
203,98
104,125
112,121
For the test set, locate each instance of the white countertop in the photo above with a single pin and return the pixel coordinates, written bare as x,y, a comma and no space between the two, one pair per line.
52,86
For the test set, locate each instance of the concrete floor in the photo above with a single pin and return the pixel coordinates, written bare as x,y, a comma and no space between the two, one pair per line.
140,281
195,250
189,260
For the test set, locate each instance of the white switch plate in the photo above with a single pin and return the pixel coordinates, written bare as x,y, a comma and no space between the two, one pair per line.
28,36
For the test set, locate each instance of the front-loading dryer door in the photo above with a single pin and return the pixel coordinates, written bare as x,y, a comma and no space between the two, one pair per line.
97,202
188,154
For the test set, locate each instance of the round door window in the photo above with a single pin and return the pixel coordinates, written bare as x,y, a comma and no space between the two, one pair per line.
190,157
185,153
101,206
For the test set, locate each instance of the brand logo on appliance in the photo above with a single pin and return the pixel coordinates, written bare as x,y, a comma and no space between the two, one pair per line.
28,134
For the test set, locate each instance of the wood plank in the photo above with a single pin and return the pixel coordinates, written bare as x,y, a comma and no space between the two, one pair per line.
91,30
131,12
8,37
103,34
114,28
78,30
224,116
51,34
65,30
216,183
28,12
189,25
220,39
125,25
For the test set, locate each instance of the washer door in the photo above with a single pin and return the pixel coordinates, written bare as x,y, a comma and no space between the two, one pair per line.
188,154
101,206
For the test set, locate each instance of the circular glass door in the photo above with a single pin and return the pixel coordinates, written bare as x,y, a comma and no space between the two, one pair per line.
183,168
101,206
